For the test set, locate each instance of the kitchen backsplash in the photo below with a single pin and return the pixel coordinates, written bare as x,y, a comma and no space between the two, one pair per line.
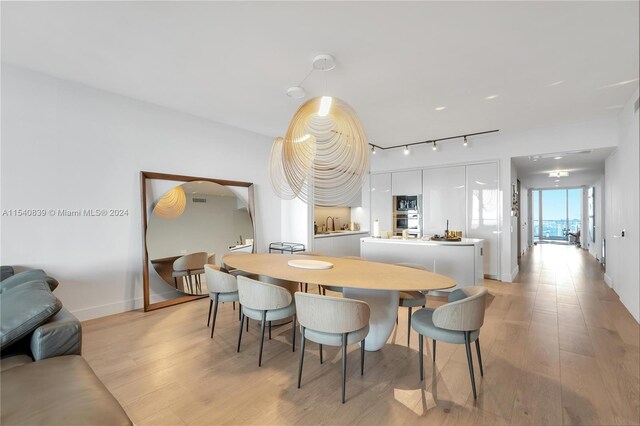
320,215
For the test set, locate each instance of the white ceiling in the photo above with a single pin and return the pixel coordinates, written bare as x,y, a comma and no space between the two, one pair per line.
584,168
232,61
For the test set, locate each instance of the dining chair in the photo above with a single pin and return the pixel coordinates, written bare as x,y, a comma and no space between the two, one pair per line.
457,322
411,299
222,287
188,266
334,321
264,302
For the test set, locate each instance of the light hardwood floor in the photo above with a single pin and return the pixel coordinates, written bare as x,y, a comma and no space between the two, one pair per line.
558,348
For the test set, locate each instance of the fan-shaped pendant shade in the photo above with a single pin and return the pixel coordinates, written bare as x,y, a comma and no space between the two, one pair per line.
324,155
172,204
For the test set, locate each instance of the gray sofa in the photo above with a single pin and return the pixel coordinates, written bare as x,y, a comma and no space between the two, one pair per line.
43,378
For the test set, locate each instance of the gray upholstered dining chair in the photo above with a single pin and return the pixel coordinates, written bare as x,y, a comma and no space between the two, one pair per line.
411,299
332,321
222,287
188,266
264,302
457,322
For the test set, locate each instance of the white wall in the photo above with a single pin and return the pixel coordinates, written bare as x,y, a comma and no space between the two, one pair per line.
599,133
65,145
622,188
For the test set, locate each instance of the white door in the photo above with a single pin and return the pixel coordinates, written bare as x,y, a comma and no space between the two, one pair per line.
483,212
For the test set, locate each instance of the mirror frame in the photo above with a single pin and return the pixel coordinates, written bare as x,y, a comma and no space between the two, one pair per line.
144,177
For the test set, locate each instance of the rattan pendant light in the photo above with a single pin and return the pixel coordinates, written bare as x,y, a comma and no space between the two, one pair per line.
172,204
324,156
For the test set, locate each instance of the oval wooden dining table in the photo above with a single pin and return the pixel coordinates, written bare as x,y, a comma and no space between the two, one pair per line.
378,284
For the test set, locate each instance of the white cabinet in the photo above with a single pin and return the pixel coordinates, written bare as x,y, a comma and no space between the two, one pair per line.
381,201
339,245
483,202
406,183
443,198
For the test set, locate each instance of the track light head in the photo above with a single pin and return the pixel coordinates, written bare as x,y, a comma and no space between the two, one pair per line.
406,150
465,143
373,149
435,146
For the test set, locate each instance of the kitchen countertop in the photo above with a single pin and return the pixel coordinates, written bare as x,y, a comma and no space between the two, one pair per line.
341,234
463,242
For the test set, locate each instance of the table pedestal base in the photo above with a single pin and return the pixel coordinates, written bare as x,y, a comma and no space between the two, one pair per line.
384,310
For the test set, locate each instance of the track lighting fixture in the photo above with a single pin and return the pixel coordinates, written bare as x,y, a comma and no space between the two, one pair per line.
434,142
373,150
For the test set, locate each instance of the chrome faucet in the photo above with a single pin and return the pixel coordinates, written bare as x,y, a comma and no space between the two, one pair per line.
333,225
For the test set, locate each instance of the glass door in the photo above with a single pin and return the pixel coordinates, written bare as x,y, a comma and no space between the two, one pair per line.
557,214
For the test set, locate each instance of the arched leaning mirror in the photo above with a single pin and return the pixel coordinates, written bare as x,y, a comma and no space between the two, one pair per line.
188,225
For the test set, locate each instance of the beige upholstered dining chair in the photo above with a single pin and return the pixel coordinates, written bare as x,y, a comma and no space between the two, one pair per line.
411,299
222,287
332,321
458,322
188,266
264,302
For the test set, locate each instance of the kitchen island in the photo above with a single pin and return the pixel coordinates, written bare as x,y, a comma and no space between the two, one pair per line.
461,260
339,243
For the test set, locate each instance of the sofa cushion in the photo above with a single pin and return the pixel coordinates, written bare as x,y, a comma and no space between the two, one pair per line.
5,272
23,309
26,276
57,391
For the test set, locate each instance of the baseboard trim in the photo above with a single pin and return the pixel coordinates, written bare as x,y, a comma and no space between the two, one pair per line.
509,278
119,307
608,280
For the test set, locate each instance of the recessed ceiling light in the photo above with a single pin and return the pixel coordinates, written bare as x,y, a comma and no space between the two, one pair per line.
557,184
558,174
557,180
556,83
558,157
440,108
491,97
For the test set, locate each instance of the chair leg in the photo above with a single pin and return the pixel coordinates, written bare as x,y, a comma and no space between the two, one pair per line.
262,326
319,289
293,338
215,314
240,333
479,356
239,311
421,356
324,291
434,350
362,357
269,330
234,306
209,316
409,327
301,358
344,366
306,287
247,324
320,354
470,361
175,282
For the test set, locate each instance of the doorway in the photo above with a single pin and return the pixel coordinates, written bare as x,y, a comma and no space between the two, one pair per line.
557,215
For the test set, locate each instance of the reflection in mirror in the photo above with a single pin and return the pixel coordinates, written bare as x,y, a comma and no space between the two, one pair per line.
194,224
